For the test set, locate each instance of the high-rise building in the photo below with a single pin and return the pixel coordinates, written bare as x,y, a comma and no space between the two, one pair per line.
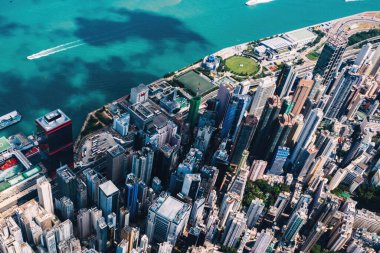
235,226
84,223
278,161
139,94
225,93
167,219
45,197
244,138
191,185
65,208
279,134
54,131
329,60
263,92
236,109
295,131
165,247
285,80
101,235
257,170
311,124
123,247
254,212
337,105
116,163
304,161
67,182
108,198
263,241
296,221
121,124
142,164
165,162
313,237
301,94
269,115
192,117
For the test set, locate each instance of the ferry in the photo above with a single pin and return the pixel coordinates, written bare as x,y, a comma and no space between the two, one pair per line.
254,2
9,119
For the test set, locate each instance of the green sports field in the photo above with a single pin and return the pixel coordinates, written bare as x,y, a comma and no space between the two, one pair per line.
241,65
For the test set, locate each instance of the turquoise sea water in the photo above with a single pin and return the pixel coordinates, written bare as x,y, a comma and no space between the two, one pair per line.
118,44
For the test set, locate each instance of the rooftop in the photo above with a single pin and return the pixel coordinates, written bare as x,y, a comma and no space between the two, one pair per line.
276,43
53,120
108,188
170,208
196,84
4,144
300,34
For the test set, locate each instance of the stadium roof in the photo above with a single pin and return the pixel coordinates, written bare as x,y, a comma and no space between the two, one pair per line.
276,43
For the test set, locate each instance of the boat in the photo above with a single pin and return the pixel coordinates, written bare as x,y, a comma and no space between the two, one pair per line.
254,2
9,119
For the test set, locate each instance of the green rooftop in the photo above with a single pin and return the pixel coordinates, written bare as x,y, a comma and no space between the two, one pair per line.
195,84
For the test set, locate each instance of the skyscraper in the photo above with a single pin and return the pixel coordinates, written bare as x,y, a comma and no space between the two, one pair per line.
67,183
313,237
263,241
225,93
45,197
236,108
244,138
329,59
116,163
108,198
285,80
337,106
278,161
279,134
257,170
235,226
254,211
263,92
311,124
190,185
192,117
55,137
301,94
142,164
84,223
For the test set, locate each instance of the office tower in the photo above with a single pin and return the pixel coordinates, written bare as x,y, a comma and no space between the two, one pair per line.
296,221
123,247
243,160
65,208
165,161
167,219
45,197
315,170
329,60
238,184
144,243
278,161
64,230
301,94
336,107
101,235
311,125
263,241
131,235
279,134
139,94
123,217
203,138
235,226
225,92
313,237
220,160
209,175
192,117
121,124
197,211
315,90
49,241
244,138
55,138
84,223
66,180
236,109
262,133
115,163
257,170
191,185
298,124
305,160
142,164
254,212
281,203
108,198
93,180
263,92
165,247
285,80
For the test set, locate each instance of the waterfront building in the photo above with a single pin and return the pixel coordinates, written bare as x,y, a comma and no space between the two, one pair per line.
139,94
54,131
121,124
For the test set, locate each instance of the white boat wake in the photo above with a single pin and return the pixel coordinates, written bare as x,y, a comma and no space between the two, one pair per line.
56,49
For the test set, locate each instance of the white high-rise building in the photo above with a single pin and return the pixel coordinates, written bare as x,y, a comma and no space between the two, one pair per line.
165,247
263,241
265,89
139,94
257,169
254,211
235,226
45,197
